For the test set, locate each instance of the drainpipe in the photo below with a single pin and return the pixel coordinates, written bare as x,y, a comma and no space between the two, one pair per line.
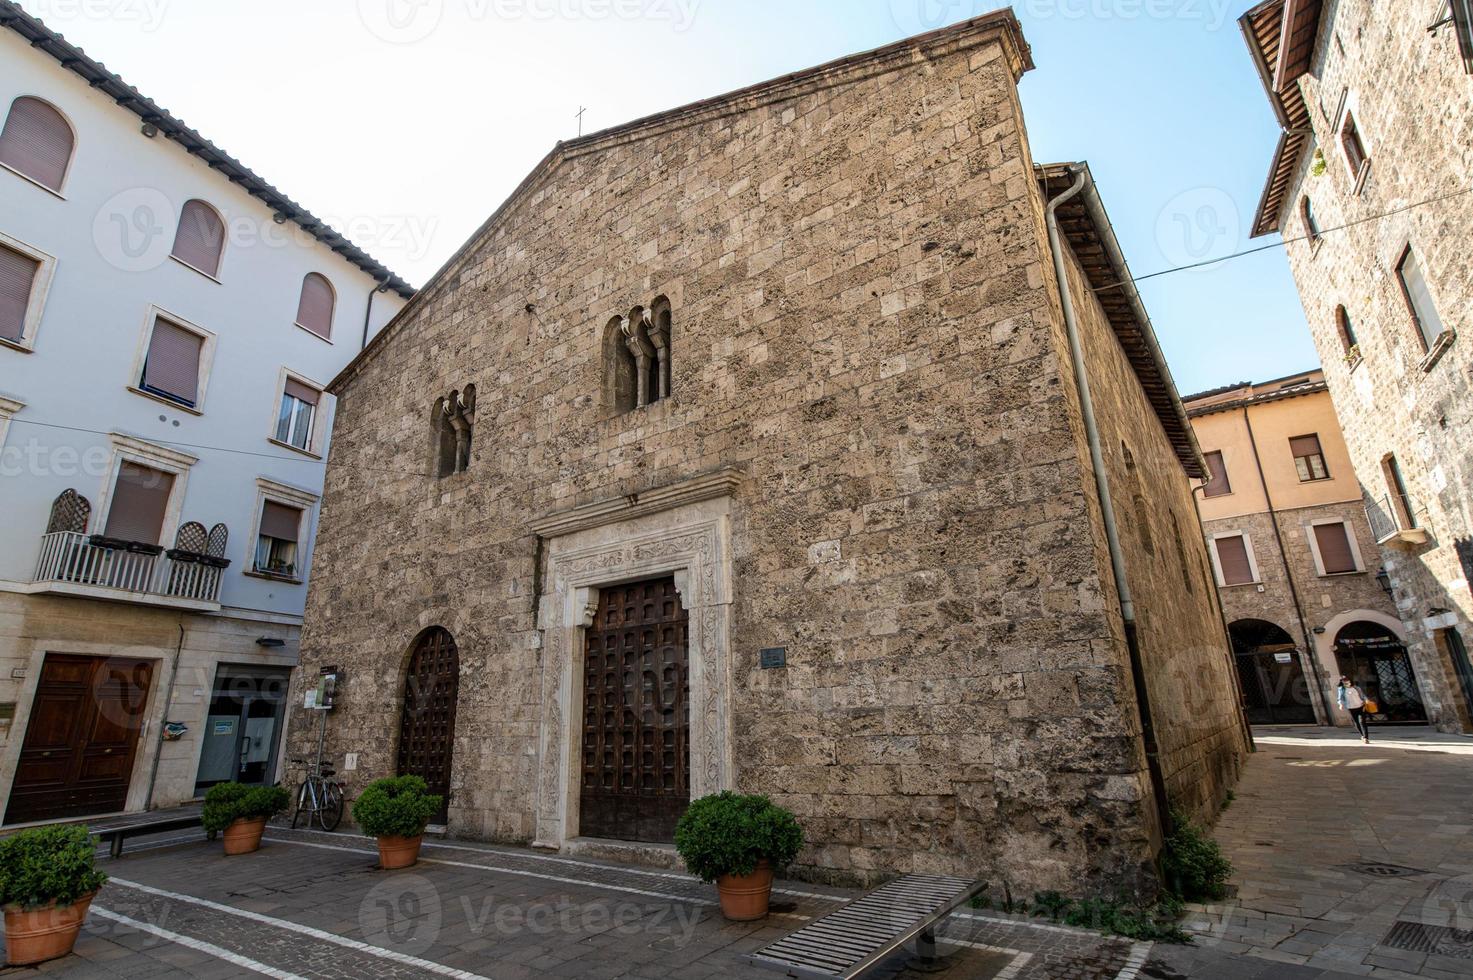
382,287
1227,635
158,749
1273,519
1102,488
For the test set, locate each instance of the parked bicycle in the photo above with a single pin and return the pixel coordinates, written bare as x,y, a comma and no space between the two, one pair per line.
319,797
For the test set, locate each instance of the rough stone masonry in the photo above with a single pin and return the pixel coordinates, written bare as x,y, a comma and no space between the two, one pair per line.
871,456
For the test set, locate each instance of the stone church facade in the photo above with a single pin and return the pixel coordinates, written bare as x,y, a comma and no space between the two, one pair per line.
741,448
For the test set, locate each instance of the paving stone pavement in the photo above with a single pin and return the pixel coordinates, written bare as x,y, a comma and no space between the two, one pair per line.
314,905
1335,843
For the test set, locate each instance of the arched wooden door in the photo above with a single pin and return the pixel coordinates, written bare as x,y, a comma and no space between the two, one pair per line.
427,724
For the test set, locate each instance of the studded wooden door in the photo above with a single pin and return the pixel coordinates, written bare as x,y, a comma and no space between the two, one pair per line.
427,726
636,717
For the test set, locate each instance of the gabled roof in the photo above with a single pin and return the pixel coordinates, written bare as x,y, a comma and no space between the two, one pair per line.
1085,226
1296,385
95,74
1281,36
999,24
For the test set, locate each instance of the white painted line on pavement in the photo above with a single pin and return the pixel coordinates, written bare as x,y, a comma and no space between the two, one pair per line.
1138,954
550,859
198,944
327,937
510,871
1015,967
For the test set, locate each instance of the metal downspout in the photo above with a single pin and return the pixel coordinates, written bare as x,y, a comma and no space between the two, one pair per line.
1102,487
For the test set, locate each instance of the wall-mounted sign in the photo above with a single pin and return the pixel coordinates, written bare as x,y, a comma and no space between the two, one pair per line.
774,657
1284,658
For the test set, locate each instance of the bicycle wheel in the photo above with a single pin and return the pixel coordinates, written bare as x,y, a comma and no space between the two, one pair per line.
330,813
301,805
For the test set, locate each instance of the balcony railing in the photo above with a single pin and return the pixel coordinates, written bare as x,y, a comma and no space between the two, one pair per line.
142,571
1394,518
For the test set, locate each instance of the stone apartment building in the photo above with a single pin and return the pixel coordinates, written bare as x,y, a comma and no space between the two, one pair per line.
1294,558
1369,188
742,447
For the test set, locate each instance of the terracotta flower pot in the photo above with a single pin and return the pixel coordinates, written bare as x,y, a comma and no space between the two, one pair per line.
244,836
38,935
744,898
398,852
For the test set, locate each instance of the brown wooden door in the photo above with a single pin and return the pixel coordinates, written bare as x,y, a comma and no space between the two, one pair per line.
82,738
427,725
636,718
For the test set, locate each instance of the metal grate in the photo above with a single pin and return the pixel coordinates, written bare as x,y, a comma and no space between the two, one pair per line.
1438,940
851,941
1382,870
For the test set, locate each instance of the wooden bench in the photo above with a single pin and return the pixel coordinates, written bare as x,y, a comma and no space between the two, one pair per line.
118,833
855,939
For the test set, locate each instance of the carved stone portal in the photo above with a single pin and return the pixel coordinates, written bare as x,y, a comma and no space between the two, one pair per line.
692,542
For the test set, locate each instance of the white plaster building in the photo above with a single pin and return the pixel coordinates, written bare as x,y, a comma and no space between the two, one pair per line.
168,321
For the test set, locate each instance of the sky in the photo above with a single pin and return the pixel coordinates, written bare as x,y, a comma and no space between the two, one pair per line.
406,122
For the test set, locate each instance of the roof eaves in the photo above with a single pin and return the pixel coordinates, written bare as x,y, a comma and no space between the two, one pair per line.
96,74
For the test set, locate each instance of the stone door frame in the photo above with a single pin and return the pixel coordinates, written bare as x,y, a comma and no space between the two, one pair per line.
692,542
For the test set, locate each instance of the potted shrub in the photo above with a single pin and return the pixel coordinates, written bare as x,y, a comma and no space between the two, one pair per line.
47,881
395,811
738,842
239,813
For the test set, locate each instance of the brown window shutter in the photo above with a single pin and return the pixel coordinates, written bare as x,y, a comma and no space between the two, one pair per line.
314,311
172,366
36,141
200,238
140,498
1217,483
17,276
280,521
302,393
1334,544
1302,446
1232,558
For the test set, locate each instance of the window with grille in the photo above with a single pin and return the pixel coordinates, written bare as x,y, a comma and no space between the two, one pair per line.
171,369
276,544
200,239
37,142
1217,476
1309,458
298,411
1233,561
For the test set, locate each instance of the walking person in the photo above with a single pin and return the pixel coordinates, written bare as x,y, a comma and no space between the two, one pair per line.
1354,700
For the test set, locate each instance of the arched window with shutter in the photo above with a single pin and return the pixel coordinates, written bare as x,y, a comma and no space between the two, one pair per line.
200,240
37,142
314,309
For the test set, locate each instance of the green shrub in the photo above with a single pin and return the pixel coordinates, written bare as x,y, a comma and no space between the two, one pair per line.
727,834
396,807
1192,863
47,864
226,803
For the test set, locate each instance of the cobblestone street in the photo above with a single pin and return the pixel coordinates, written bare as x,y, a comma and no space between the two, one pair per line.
1351,857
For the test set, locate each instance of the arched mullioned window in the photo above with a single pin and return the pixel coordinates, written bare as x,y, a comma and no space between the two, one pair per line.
200,239
637,358
315,308
453,422
37,141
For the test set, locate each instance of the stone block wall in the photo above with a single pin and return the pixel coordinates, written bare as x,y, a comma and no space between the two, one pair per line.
1409,94
863,329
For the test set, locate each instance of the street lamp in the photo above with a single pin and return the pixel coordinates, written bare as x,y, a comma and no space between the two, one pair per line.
1383,579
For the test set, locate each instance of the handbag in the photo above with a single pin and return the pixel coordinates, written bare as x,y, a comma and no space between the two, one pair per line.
1371,707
